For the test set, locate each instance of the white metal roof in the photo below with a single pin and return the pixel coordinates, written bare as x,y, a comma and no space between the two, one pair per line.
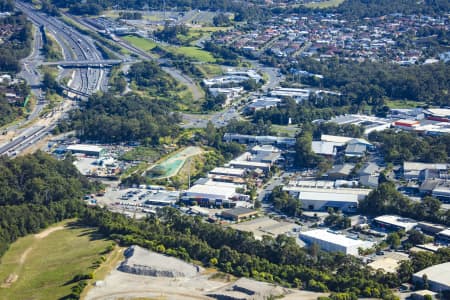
445,232
441,112
334,190
325,148
84,147
397,221
324,196
336,139
227,192
438,273
338,239
411,165
228,171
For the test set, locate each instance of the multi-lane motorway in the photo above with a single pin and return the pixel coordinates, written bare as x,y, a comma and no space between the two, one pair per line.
75,47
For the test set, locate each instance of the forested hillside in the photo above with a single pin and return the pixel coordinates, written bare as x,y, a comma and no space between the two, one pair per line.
36,191
244,10
370,8
17,39
17,45
371,81
109,118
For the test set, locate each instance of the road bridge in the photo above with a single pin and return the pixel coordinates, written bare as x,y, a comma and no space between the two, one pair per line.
74,91
84,63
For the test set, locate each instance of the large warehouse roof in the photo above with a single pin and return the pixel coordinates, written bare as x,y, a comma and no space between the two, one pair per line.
334,238
82,147
438,273
320,196
398,221
228,171
213,190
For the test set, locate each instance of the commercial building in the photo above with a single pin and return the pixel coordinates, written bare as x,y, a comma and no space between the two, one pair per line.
225,178
355,150
444,235
369,123
437,276
438,114
239,213
408,125
237,172
254,162
442,191
251,74
260,139
296,190
321,201
340,171
334,242
206,195
370,169
369,180
297,94
421,295
430,228
250,165
163,198
393,222
88,150
411,170
263,103
328,149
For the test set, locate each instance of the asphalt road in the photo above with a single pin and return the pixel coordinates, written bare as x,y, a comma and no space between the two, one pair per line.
75,46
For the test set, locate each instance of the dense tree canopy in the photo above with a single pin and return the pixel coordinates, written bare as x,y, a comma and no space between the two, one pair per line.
371,81
16,46
109,118
423,149
387,200
35,191
368,8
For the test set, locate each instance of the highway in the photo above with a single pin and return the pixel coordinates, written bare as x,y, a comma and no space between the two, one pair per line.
84,81
76,47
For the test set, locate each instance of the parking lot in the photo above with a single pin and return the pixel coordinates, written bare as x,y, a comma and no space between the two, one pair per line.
145,199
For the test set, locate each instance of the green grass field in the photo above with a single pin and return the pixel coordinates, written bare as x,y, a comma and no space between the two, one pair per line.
42,264
140,43
210,70
141,153
194,53
324,4
189,51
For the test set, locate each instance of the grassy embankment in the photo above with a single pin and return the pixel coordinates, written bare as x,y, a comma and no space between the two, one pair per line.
41,266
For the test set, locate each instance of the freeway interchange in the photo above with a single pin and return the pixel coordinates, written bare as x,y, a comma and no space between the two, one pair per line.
84,80
76,47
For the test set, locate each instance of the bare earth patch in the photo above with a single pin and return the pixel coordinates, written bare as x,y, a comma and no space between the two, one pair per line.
10,280
48,231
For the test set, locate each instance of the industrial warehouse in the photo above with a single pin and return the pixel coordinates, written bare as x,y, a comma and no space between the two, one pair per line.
333,241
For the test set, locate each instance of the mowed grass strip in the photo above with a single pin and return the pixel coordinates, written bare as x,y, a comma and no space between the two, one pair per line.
141,43
50,262
192,52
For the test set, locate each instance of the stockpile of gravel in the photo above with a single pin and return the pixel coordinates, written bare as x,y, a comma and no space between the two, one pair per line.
144,262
